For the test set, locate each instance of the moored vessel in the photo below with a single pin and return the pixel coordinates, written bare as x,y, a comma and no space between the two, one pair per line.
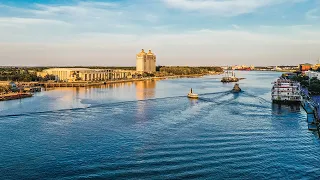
285,91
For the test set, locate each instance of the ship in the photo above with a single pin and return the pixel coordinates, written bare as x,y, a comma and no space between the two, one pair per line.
227,78
285,91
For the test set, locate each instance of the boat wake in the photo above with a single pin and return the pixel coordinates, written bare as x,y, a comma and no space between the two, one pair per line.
216,100
93,105
257,97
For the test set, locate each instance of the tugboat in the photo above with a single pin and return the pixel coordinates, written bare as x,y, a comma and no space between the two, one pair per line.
236,88
192,95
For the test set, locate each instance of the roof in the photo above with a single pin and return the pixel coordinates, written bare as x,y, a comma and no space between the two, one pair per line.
67,69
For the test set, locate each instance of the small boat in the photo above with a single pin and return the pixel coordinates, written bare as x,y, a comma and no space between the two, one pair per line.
192,95
236,88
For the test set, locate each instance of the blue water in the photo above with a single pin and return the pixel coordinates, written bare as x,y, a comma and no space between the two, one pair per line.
150,130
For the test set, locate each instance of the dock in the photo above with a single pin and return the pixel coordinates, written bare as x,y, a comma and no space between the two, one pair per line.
312,110
87,84
13,96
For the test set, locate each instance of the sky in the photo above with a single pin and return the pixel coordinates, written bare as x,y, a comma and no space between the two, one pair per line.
179,32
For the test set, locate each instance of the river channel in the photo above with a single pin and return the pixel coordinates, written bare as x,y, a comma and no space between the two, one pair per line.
151,130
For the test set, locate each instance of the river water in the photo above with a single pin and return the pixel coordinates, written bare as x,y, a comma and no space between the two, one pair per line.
150,130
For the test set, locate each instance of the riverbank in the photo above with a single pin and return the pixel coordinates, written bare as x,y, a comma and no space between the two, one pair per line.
48,85
13,96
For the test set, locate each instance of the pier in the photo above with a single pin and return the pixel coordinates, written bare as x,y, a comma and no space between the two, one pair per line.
312,110
13,96
88,84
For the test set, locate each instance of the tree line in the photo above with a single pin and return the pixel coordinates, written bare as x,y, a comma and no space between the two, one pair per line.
313,84
186,70
23,74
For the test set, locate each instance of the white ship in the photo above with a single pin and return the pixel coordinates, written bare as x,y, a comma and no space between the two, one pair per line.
286,91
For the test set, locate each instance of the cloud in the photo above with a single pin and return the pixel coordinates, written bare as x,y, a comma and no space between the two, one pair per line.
225,7
292,27
99,33
152,18
313,14
208,46
235,26
79,10
25,21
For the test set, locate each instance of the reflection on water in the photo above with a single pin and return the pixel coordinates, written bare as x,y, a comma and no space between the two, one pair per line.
193,101
281,109
145,89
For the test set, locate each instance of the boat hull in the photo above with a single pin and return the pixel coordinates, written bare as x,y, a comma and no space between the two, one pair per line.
285,102
227,80
236,91
193,96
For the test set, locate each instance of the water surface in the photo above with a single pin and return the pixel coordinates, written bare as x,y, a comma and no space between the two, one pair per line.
150,130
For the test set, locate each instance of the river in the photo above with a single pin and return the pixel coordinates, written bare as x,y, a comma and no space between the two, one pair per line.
150,130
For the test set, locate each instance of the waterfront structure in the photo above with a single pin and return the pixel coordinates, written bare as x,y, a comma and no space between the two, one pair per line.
10,84
286,91
243,67
85,74
316,66
313,74
305,67
146,62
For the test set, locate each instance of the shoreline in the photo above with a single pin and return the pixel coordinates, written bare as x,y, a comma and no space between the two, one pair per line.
48,85
14,96
52,86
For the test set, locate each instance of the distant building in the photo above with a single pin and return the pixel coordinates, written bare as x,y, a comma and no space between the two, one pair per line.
305,67
316,66
85,74
313,74
10,84
146,62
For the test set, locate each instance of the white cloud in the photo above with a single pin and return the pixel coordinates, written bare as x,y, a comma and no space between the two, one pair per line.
97,33
313,14
296,27
25,21
235,26
225,7
208,47
97,4
152,18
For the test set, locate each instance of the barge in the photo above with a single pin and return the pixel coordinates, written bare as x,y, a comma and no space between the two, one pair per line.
227,78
